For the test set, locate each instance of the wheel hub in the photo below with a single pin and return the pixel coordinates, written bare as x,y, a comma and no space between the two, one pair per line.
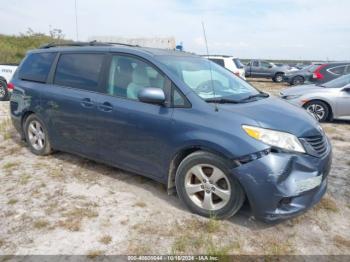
207,187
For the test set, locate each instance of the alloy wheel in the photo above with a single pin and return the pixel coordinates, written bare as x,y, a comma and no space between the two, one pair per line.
317,111
208,187
36,135
2,90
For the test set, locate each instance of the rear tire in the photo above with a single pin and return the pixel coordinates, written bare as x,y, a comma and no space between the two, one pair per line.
37,136
3,91
278,78
206,186
319,110
298,80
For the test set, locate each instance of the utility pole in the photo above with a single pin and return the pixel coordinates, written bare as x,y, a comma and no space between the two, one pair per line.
76,21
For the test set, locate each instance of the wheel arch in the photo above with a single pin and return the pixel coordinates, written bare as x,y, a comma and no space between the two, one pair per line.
330,108
181,155
3,79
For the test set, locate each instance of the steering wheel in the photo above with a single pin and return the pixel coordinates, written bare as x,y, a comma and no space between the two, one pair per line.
207,86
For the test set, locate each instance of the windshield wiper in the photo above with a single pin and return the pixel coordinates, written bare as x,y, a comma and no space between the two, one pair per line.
262,94
221,100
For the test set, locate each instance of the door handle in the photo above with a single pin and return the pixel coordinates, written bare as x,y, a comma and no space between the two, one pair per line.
86,102
105,107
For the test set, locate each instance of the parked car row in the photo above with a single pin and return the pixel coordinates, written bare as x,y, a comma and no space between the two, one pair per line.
325,101
231,63
317,73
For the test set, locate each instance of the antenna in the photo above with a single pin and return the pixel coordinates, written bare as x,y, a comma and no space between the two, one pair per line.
76,21
211,74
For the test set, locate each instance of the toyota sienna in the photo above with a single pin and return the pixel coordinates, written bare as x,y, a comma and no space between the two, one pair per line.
177,118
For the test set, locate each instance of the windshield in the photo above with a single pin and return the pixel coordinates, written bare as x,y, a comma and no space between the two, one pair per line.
338,82
312,68
208,79
238,63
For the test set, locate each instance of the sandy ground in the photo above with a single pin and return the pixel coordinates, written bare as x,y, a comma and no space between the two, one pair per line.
64,204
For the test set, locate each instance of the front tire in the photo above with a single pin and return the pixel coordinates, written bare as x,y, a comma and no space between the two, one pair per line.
204,184
298,80
3,91
278,78
319,110
36,135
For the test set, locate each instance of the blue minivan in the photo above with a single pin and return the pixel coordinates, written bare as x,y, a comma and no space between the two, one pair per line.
177,118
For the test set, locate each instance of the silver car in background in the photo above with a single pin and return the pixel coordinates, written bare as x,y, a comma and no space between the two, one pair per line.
325,101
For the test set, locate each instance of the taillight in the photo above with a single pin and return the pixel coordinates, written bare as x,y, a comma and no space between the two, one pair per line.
10,86
317,74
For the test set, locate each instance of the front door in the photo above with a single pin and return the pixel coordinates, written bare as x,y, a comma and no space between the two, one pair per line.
133,135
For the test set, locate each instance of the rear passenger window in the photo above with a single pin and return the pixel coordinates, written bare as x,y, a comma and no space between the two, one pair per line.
339,70
218,61
128,75
79,71
36,67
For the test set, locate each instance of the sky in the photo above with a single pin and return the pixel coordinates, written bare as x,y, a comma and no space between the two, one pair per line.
270,29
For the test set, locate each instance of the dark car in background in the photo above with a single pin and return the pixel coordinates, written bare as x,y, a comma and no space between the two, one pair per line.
329,71
177,118
299,77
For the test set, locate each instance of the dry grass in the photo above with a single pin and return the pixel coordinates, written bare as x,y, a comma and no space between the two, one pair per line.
6,128
24,179
73,218
12,201
106,239
327,204
278,248
94,253
9,165
2,242
341,242
339,138
138,248
41,224
140,204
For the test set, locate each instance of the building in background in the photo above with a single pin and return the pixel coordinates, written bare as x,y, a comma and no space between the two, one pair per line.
156,42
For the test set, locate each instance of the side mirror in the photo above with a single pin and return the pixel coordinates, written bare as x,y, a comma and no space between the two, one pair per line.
152,95
346,89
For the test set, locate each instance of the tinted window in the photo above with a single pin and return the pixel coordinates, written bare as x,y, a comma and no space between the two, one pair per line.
36,67
255,63
128,75
218,61
347,71
265,64
238,63
338,70
79,71
338,82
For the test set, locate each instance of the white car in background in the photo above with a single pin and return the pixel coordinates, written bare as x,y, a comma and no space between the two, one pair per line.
6,73
231,63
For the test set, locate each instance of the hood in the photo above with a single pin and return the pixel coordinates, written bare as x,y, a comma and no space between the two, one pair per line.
299,90
274,113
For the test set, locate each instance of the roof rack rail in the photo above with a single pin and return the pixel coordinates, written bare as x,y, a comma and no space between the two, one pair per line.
91,43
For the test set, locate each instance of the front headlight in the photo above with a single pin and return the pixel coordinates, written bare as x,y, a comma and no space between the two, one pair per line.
275,138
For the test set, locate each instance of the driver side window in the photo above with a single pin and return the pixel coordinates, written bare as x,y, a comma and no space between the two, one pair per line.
265,65
129,75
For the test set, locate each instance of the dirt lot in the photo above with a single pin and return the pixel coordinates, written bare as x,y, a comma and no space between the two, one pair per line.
64,204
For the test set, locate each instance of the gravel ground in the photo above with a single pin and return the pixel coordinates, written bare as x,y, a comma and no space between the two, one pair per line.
64,204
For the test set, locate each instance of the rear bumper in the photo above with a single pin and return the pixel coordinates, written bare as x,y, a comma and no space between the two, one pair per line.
273,183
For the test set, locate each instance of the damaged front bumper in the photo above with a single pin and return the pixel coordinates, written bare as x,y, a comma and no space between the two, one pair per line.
283,185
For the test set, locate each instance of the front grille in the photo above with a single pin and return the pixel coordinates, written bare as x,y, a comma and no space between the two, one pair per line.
318,144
